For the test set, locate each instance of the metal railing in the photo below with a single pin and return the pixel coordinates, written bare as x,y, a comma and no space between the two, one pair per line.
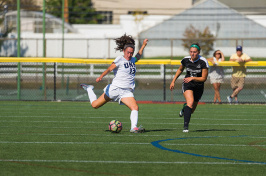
153,78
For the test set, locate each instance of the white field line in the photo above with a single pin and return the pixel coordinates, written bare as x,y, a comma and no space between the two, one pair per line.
76,114
67,108
40,127
127,143
113,135
100,135
84,105
142,117
75,117
59,114
128,162
120,110
93,122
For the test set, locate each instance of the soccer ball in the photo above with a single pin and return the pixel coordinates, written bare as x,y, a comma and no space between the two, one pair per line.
115,126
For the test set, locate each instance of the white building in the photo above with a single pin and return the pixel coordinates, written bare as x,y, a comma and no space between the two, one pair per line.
96,41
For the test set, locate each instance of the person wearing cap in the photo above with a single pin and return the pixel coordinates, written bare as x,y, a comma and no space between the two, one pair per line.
239,73
193,83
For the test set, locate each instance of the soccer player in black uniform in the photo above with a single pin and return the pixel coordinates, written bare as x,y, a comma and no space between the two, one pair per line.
193,83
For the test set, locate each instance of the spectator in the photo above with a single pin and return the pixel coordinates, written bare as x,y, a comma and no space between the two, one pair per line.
216,74
239,73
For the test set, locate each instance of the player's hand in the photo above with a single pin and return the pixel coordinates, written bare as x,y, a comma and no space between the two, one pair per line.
145,41
188,79
98,79
172,86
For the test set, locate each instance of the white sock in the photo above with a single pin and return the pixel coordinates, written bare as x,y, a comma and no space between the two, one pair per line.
134,118
91,95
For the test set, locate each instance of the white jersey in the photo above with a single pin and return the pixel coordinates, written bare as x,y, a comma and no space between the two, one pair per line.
124,72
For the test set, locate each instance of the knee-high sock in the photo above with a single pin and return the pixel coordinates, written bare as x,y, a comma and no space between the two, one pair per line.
91,95
187,115
134,118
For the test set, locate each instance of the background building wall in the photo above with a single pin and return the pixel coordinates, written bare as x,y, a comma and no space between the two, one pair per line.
152,7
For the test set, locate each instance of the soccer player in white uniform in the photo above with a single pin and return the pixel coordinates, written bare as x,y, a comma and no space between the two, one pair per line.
123,84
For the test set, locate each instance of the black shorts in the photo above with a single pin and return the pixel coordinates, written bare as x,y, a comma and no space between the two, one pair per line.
196,88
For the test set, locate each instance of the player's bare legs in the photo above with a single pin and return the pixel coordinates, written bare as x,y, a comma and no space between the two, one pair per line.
189,109
95,103
131,103
100,101
188,94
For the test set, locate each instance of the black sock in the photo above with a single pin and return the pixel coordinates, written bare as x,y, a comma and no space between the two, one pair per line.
187,115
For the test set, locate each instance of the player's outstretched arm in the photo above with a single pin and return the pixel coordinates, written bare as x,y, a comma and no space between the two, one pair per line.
108,70
138,55
177,74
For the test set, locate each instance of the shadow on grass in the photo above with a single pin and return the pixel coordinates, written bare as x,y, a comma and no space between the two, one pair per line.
156,130
212,130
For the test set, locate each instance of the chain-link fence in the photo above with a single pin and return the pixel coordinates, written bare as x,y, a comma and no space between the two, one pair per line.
61,81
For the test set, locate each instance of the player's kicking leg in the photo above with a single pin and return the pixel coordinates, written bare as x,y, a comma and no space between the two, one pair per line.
95,103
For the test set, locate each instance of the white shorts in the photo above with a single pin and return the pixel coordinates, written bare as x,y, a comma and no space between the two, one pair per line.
116,93
216,79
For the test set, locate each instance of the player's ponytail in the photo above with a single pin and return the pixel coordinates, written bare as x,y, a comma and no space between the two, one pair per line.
123,42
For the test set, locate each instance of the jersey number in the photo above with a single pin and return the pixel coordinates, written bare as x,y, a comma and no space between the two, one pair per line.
132,71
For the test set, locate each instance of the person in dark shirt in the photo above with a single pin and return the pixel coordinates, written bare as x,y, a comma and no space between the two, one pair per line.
193,83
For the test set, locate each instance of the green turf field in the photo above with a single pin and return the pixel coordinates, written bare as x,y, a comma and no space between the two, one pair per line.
71,138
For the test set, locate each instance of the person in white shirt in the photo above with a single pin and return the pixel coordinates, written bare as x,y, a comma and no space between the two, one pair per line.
216,74
122,87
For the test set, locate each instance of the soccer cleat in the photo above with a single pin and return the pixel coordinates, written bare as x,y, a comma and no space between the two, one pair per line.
85,86
139,129
181,113
185,130
229,99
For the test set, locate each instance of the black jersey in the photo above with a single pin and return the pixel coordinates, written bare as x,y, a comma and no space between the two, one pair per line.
194,69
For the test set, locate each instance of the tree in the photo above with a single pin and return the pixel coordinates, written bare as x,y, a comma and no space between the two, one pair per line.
3,34
5,29
80,11
24,4
205,39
